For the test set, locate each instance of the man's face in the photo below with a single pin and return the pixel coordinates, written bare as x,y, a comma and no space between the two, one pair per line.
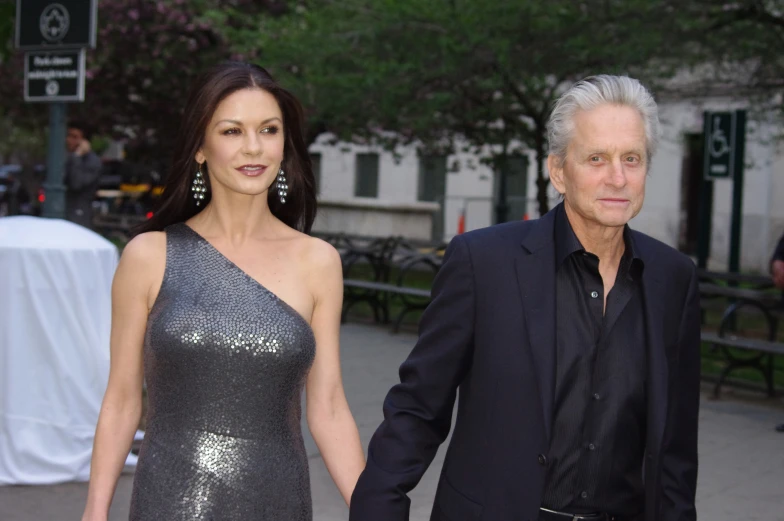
73,138
603,177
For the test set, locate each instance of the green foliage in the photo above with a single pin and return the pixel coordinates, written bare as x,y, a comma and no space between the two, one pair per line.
430,71
148,54
7,19
741,42
24,145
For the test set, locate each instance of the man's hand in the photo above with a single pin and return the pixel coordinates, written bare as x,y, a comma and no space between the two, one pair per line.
83,148
777,271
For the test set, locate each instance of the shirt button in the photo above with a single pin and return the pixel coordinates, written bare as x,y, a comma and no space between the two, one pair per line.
584,494
596,396
591,446
594,294
542,459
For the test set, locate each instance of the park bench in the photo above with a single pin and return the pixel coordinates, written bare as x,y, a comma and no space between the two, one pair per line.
760,358
755,281
740,351
384,291
382,255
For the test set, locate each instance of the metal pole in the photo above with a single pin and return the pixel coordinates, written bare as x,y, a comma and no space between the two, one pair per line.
705,211
501,208
704,219
737,190
54,189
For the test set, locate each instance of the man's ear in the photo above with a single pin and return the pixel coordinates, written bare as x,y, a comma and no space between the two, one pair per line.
555,169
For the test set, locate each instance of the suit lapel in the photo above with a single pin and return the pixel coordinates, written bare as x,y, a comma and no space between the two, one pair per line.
654,300
535,266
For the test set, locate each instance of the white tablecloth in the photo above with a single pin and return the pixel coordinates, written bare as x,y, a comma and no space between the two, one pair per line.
55,317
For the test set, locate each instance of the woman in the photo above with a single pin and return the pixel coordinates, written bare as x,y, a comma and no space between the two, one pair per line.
227,309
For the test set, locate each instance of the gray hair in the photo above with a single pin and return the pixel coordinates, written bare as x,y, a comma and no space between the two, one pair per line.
593,91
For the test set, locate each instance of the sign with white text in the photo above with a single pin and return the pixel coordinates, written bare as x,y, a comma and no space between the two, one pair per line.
54,76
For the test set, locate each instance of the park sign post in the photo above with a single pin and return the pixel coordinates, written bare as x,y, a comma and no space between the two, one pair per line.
54,34
725,144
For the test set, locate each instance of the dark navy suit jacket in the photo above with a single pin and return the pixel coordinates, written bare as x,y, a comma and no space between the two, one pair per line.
490,332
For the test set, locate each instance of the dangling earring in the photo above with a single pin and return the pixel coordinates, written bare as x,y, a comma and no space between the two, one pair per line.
283,188
199,188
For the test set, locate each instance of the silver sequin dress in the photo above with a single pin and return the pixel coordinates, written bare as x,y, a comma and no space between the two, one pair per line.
225,361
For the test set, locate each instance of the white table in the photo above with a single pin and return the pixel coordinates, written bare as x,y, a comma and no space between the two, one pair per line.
55,318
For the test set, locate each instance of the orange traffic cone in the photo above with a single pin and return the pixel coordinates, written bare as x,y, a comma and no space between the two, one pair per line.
461,222
525,216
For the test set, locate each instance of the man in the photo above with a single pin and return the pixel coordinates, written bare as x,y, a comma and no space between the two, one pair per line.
574,342
777,265
82,173
777,273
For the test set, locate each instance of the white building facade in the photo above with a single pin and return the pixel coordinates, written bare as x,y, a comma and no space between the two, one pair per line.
368,191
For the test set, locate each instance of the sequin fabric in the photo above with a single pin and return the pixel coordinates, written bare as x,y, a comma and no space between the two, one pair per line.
225,362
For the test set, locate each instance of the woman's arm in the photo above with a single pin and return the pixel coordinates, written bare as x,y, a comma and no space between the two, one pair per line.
329,418
121,410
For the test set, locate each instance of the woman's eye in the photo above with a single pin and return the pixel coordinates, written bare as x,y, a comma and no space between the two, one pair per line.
270,130
231,131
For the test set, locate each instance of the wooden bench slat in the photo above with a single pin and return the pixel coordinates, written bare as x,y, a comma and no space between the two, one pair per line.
751,344
714,290
391,288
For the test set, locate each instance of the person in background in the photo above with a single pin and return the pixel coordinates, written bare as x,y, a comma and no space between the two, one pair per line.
82,173
777,264
777,273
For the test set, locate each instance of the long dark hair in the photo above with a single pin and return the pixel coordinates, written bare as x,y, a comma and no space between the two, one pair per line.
212,87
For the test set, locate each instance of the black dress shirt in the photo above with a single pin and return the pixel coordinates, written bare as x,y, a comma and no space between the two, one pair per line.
599,417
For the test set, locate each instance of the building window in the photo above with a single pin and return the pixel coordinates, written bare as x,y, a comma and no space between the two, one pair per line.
315,162
432,178
366,184
516,169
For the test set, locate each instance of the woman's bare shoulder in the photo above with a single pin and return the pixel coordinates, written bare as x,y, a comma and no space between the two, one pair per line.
144,256
320,256
145,247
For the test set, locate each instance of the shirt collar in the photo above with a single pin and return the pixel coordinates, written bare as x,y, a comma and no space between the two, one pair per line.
567,243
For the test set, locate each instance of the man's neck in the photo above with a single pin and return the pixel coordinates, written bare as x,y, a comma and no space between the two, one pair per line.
606,242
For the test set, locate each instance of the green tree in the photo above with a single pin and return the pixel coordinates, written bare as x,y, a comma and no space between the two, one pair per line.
147,55
7,18
739,51
433,71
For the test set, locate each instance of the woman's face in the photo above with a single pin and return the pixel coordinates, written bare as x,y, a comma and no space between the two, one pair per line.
243,143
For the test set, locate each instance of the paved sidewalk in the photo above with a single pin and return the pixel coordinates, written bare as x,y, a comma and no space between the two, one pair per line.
741,472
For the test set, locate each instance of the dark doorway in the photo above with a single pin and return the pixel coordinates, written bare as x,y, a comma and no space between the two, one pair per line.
696,200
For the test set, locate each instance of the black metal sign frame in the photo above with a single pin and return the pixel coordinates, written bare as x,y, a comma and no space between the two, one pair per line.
55,24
